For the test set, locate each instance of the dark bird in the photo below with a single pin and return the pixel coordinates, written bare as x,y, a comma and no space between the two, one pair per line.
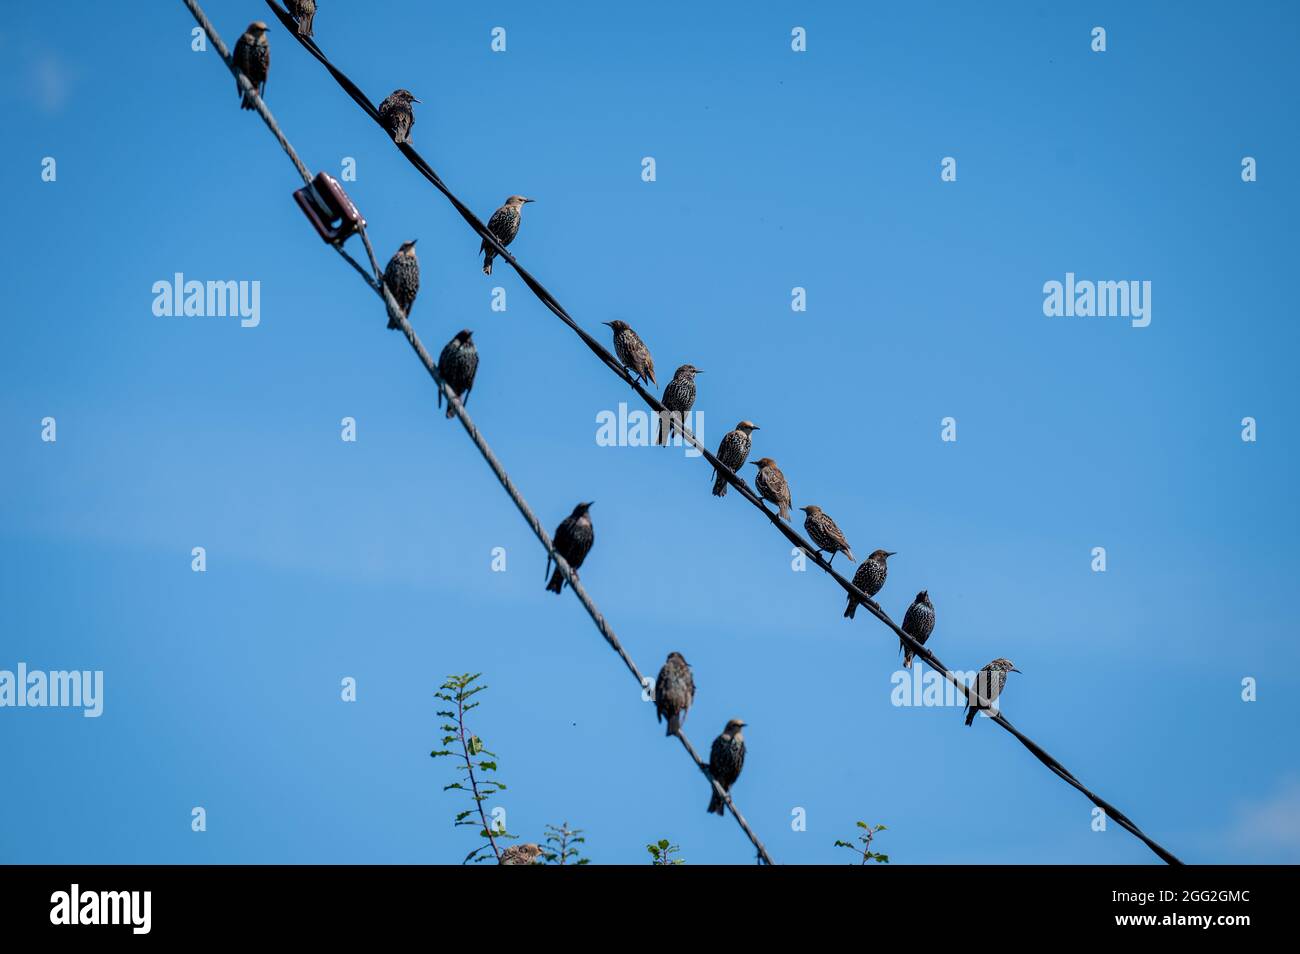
573,539
674,692
457,365
869,578
525,854
771,485
632,352
733,451
396,114
989,683
402,276
726,759
678,398
918,623
303,11
253,58
823,531
504,224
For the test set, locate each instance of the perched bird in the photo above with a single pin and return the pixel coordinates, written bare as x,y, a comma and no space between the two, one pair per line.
573,539
771,485
303,11
918,623
823,531
989,683
457,365
253,58
631,350
726,759
733,451
396,114
504,224
869,578
674,692
678,398
525,854
402,276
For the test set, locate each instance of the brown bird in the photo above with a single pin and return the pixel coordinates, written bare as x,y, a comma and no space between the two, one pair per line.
457,366
303,12
917,623
679,397
504,226
396,114
525,854
733,451
402,276
869,578
771,485
823,531
674,692
726,759
252,57
573,539
989,683
631,350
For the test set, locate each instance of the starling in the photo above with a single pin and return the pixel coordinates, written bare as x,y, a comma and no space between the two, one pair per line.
253,58
677,400
989,683
869,578
573,539
732,451
771,485
821,528
303,11
525,854
918,623
396,114
504,224
402,276
457,365
726,759
674,692
631,350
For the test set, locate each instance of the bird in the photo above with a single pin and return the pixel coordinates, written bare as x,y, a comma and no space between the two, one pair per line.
726,759
674,692
772,486
303,11
525,854
457,365
733,451
869,578
573,539
631,350
396,115
504,224
677,400
989,683
825,533
252,58
402,276
917,623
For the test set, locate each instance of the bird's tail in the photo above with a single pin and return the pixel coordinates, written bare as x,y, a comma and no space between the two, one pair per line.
247,102
720,486
451,411
716,805
970,714
785,512
674,723
557,581
849,553
304,24
662,434
851,610
907,654
488,255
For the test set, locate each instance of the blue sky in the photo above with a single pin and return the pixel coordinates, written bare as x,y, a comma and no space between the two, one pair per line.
775,169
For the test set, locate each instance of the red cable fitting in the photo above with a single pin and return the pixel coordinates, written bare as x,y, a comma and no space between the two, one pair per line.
329,209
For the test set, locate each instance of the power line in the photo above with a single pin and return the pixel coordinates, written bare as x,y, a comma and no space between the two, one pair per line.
616,366
395,314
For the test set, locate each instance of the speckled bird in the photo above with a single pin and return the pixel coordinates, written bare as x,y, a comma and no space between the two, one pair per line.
733,451
678,398
402,276
504,224
252,57
573,539
632,352
918,623
525,854
457,366
726,759
303,13
674,692
396,114
989,683
772,486
869,578
823,532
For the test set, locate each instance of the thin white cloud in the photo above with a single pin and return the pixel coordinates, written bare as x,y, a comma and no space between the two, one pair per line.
1269,828
50,81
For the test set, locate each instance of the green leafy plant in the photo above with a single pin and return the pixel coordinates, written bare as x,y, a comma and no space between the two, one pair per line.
864,837
662,851
562,845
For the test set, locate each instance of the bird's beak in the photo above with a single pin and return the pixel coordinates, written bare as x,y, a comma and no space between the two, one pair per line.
755,427
699,370
895,553
1016,670
610,323
413,241
414,100
590,503
530,200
